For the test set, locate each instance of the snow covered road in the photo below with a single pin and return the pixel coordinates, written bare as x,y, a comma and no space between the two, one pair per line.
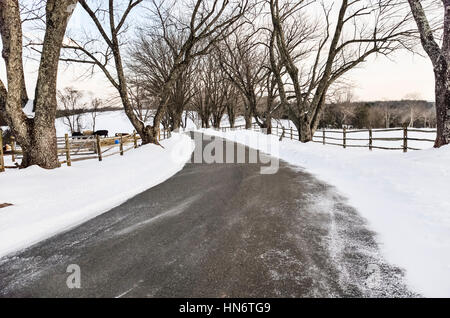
215,230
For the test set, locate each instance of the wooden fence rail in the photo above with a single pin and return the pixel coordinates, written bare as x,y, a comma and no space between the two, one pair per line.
76,149
322,137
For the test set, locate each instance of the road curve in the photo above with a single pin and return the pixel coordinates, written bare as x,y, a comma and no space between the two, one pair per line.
215,230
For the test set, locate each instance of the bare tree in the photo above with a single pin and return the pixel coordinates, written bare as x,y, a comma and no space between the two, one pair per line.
151,60
428,117
205,84
181,96
194,117
232,105
440,58
142,102
95,105
70,101
344,99
217,90
242,58
361,28
36,136
413,102
208,21
202,109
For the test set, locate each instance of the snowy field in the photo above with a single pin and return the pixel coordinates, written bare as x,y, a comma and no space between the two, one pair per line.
47,202
404,197
113,121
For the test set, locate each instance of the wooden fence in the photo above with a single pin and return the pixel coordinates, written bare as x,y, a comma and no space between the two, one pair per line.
75,149
328,137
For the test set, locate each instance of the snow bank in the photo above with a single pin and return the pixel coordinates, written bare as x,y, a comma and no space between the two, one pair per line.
50,202
404,197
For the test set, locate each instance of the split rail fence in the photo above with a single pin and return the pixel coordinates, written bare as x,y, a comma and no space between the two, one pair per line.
75,149
344,138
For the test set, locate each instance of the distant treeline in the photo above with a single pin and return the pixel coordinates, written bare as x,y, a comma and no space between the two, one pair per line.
70,112
380,114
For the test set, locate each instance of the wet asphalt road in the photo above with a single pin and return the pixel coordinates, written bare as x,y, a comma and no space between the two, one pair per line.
214,230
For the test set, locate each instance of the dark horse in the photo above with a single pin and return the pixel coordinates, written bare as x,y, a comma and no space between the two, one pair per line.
101,133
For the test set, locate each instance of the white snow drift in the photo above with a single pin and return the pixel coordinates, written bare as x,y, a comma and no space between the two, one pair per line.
404,197
47,202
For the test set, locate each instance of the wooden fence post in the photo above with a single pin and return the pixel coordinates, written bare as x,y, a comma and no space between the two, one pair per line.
2,161
13,149
121,145
405,138
99,149
164,131
278,131
370,139
135,140
324,137
292,134
345,138
69,162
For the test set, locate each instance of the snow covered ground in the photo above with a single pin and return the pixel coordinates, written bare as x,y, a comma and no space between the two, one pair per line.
49,202
404,197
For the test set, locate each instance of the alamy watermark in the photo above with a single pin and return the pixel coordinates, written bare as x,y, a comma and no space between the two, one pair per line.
240,149
73,281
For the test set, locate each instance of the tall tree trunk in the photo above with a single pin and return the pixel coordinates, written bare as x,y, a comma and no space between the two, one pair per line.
248,121
268,124
247,115
37,136
305,132
231,115
177,117
6,41
440,57
147,133
176,121
443,106
43,151
11,29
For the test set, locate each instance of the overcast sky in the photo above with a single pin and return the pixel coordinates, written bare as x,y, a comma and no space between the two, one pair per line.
382,79
379,78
